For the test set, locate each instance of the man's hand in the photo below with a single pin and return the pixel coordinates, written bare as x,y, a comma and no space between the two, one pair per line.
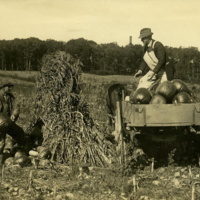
138,73
150,75
13,118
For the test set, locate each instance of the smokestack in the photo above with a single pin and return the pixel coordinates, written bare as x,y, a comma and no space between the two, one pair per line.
130,40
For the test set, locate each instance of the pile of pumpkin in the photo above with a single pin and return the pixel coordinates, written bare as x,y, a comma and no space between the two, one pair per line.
14,155
167,92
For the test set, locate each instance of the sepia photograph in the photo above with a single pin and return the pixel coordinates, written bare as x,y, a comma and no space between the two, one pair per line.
99,100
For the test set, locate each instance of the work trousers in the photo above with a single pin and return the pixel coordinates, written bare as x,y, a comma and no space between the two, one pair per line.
145,83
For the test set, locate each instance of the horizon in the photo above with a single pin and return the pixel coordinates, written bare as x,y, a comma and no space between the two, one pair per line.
94,41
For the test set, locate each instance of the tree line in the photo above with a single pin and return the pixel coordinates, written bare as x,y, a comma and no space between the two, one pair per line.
104,59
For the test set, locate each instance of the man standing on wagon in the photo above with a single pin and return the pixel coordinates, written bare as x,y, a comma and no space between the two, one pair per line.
155,63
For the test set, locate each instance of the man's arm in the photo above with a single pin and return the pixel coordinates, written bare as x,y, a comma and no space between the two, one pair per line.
143,66
15,108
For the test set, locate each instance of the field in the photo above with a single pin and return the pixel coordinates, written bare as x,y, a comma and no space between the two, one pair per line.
58,181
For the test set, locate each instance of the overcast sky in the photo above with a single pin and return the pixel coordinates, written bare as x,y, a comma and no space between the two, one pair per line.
174,22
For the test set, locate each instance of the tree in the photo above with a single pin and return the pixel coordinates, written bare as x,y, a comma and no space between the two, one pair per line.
83,50
109,58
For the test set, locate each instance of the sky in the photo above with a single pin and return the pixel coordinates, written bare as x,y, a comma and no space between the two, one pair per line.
175,23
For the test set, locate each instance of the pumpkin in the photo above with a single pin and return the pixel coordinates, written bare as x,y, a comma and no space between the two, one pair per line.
40,148
22,161
9,139
19,154
182,97
14,150
158,99
44,163
9,143
167,90
33,153
9,161
181,86
44,154
140,96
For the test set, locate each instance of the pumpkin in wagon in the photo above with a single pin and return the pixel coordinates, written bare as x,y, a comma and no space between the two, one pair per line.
158,99
167,90
182,97
181,86
140,96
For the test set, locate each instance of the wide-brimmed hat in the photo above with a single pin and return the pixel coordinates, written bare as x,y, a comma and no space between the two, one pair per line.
145,32
6,85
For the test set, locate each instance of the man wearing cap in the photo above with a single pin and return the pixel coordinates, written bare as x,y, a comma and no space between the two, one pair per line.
7,100
155,61
9,113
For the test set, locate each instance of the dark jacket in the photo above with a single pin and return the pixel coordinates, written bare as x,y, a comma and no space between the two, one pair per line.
161,55
6,102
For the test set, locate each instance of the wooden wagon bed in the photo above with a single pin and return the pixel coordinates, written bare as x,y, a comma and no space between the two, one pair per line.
157,115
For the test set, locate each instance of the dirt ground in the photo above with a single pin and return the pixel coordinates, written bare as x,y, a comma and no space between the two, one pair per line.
81,183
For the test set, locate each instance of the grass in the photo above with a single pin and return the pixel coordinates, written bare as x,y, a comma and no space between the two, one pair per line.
20,75
110,79
31,75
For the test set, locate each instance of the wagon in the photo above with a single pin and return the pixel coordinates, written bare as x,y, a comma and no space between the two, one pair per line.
164,124
160,115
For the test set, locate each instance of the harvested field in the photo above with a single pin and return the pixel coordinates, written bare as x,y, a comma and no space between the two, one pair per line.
61,181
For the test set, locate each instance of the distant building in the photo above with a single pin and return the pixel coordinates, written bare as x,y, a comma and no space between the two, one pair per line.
130,40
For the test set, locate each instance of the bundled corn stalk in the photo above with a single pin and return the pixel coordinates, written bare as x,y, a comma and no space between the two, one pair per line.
69,131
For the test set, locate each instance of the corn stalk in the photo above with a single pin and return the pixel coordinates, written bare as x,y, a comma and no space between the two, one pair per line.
69,132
